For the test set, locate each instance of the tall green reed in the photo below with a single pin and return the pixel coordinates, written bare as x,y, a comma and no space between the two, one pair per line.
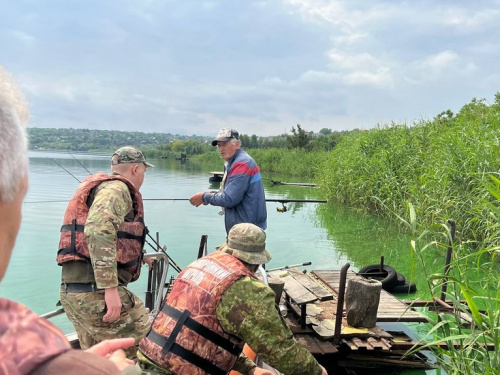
440,166
471,329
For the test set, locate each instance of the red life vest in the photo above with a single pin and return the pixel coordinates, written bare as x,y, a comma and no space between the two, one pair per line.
27,341
186,337
131,233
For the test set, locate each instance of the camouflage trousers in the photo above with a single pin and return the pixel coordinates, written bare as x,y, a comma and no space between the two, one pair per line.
86,310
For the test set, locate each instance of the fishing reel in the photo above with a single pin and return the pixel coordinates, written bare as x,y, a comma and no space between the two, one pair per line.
281,209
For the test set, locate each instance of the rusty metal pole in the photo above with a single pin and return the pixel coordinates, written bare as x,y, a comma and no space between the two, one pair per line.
340,304
447,262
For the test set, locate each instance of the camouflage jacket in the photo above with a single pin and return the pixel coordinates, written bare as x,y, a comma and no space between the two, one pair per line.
201,346
26,340
247,310
111,209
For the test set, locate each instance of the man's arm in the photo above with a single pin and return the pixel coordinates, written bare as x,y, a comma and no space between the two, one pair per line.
247,310
111,204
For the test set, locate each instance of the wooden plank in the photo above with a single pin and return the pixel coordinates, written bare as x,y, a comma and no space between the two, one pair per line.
316,346
350,344
358,342
375,343
296,291
310,284
390,308
387,345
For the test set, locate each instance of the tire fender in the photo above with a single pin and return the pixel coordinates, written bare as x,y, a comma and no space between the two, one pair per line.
388,276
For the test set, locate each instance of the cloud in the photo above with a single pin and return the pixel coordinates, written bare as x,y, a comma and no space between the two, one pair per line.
189,67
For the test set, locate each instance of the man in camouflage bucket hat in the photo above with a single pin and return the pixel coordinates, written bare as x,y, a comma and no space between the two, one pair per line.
100,251
215,306
247,244
28,343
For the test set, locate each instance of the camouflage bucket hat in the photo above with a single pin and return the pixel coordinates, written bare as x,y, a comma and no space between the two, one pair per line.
247,242
225,134
129,154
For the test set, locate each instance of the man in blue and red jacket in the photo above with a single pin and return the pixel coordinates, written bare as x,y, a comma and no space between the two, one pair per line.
242,195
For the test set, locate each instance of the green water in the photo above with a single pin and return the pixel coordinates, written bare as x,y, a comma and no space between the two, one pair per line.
324,234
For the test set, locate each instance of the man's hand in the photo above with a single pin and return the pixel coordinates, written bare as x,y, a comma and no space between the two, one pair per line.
197,199
112,349
113,304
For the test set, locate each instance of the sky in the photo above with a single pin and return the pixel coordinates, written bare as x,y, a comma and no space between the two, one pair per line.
191,67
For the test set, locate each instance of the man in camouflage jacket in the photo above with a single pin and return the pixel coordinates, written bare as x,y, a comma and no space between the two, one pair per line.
100,252
221,293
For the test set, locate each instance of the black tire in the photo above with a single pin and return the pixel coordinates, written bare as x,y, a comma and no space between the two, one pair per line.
406,288
401,280
387,276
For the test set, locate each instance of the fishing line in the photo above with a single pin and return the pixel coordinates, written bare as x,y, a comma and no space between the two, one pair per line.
71,174
78,161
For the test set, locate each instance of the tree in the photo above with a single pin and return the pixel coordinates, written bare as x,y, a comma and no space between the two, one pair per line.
299,138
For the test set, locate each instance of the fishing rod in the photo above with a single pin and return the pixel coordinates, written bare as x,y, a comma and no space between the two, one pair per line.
290,266
282,201
186,199
162,249
267,200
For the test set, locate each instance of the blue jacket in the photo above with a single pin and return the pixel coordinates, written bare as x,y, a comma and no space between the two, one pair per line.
243,196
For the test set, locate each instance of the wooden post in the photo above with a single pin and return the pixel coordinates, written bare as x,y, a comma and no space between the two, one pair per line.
362,299
277,286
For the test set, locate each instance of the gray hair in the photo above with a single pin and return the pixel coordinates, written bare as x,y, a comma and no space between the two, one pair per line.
14,114
234,141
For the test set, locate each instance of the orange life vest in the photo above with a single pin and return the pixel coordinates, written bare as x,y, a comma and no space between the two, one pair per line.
186,337
131,233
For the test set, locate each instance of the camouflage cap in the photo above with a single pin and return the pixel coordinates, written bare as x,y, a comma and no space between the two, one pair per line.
247,242
225,134
129,154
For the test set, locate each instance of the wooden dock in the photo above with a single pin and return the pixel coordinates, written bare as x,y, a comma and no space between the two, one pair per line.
312,299
390,309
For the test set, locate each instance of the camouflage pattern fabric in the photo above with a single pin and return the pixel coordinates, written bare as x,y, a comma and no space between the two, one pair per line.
247,310
26,340
150,368
198,289
86,310
111,204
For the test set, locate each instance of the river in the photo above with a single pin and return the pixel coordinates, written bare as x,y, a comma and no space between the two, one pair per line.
328,236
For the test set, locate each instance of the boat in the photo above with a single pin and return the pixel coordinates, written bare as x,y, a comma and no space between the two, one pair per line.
216,177
313,305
